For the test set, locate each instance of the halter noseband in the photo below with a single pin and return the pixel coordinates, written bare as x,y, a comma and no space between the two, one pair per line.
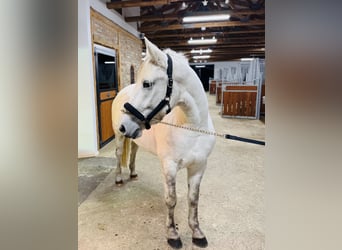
162,103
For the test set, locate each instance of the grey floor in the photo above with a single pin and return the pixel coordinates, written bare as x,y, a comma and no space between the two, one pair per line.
132,216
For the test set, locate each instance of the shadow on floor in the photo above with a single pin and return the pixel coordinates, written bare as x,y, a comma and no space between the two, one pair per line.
91,172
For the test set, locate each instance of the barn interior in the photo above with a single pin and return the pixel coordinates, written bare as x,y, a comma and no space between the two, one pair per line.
232,71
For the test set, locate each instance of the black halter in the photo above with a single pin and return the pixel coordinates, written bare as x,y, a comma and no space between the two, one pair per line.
161,105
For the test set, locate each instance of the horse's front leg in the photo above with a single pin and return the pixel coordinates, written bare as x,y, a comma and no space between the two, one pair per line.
119,144
118,179
195,173
134,149
170,172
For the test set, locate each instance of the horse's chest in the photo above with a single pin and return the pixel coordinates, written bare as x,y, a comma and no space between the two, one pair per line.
178,145
185,149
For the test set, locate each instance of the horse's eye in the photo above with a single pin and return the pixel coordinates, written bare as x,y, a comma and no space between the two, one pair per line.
147,84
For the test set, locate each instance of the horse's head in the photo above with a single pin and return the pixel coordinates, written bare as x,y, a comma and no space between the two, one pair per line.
150,100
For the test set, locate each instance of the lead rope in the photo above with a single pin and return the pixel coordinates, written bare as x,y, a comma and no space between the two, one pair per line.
225,136
195,129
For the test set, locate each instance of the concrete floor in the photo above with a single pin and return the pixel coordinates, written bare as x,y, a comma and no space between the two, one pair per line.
132,216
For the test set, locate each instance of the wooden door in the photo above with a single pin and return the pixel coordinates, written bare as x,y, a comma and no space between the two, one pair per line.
106,89
106,129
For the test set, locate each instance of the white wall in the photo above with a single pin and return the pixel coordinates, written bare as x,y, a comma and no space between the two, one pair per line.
87,138
240,65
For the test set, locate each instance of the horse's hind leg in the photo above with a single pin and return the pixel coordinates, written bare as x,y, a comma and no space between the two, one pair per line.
170,171
195,173
134,149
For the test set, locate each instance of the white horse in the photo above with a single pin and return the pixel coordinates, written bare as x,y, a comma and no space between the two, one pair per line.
166,82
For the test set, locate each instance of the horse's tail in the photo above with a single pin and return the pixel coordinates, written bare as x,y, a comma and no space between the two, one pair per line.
126,150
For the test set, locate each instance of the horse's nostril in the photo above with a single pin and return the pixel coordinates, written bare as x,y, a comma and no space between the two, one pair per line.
122,129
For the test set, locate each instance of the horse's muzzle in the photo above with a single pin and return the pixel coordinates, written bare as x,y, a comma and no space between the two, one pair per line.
130,128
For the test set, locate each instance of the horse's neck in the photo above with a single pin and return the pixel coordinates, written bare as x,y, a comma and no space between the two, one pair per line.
193,100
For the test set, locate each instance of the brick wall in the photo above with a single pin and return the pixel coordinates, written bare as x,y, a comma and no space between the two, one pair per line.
105,32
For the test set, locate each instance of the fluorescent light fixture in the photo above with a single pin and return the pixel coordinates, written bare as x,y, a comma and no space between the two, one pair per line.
247,59
109,62
202,41
200,51
200,66
201,57
205,18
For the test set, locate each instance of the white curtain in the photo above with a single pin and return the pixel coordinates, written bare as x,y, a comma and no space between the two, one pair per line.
253,74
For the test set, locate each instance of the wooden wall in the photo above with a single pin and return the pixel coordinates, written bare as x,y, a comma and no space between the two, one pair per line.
128,47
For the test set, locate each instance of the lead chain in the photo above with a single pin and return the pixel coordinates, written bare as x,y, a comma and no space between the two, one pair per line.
195,129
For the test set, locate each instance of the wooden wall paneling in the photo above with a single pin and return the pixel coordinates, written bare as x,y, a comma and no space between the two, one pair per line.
239,101
212,87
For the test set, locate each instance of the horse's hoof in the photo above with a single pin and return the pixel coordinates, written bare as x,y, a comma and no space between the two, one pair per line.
134,176
200,242
119,183
175,243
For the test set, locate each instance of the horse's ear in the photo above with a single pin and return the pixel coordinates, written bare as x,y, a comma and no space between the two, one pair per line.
155,55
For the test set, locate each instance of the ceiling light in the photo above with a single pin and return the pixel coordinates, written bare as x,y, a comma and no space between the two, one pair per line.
201,51
246,59
202,41
201,57
205,2
200,66
205,18
109,62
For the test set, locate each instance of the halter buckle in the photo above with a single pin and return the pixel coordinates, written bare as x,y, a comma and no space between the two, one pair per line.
170,83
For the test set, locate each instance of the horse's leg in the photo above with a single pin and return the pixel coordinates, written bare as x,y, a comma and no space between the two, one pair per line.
119,141
195,173
170,172
134,149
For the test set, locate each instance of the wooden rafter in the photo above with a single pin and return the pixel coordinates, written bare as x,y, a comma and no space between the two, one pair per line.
161,21
135,3
207,25
198,34
151,18
221,45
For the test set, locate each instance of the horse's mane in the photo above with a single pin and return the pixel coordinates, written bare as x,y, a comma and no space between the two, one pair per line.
178,55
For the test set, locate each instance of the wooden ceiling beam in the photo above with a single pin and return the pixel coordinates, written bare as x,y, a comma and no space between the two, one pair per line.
198,34
135,3
220,39
216,51
221,58
151,18
226,47
199,25
185,43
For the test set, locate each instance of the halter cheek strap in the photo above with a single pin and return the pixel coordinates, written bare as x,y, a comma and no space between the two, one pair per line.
165,102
